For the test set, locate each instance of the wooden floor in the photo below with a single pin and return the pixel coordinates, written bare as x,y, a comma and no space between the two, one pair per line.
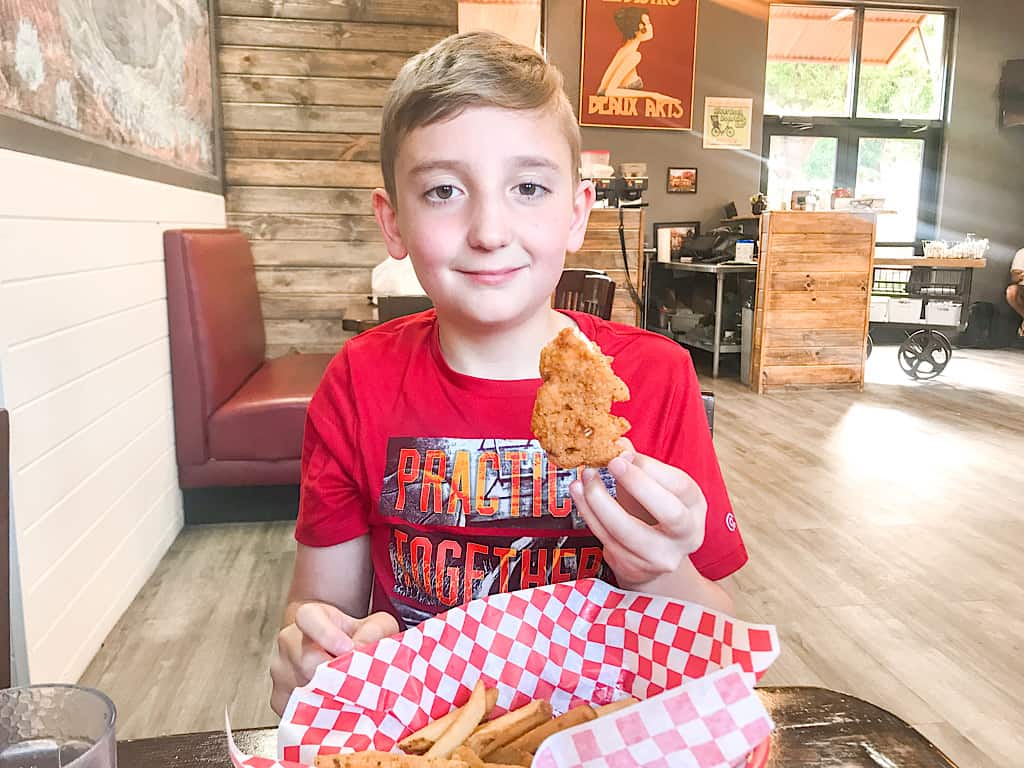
197,639
885,530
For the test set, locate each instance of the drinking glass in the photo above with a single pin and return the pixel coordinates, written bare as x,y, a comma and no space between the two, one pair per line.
56,726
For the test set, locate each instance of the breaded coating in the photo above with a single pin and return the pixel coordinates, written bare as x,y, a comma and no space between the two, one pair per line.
571,416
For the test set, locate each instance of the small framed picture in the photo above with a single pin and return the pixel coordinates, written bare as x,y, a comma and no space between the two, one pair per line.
670,236
682,180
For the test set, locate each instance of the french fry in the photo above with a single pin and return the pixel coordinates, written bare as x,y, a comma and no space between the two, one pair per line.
463,726
385,760
529,741
492,700
509,727
419,742
468,756
615,706
509,755
463,739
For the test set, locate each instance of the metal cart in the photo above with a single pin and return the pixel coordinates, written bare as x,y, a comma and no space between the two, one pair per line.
714,341
916,282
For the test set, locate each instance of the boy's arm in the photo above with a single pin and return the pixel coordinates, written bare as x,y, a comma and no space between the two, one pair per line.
686,583
326,614
651,528
340,576
670,530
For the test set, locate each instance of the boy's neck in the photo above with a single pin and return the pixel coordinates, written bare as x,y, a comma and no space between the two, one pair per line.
508,353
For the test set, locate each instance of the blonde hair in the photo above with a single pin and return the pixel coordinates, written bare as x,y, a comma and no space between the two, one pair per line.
472,69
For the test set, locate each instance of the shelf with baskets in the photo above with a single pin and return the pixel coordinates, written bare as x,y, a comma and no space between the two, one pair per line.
920,295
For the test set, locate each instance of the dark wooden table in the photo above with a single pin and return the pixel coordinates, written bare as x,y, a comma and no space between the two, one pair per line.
814,727
358,325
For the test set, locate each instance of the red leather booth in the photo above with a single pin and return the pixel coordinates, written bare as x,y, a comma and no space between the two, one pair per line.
238,417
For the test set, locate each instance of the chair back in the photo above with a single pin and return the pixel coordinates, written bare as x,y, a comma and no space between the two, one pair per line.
569,291
709,409
585,290
5,563
598,295
216,327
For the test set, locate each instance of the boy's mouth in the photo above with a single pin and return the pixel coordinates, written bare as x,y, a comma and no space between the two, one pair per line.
492,276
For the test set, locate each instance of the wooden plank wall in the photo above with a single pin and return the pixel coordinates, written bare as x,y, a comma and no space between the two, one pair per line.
302,83
602,250
813,295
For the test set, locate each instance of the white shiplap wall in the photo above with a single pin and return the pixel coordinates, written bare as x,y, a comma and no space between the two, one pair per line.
86,376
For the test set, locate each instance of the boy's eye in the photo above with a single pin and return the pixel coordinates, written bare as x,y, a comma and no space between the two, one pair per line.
530,189
442,192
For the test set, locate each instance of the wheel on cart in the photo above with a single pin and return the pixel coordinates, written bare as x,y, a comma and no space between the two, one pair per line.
871,347
925,354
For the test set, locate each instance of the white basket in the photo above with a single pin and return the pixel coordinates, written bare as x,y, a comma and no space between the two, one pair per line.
904,310
942,313
879,309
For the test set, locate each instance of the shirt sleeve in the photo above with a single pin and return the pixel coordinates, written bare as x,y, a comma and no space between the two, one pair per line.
688,446
1018,260
333,505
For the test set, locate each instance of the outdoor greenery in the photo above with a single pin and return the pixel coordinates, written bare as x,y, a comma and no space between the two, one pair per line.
907,87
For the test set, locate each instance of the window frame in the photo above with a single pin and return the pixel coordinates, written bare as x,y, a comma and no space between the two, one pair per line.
849,129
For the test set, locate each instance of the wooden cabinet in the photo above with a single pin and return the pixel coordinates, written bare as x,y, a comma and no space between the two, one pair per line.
813,297
602,250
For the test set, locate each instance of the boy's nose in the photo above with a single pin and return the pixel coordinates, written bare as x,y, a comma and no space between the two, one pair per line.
490,228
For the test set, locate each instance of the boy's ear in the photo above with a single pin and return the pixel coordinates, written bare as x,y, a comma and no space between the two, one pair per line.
387,220
582,203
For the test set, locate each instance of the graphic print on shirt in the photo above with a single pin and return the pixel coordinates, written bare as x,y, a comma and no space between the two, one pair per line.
473,517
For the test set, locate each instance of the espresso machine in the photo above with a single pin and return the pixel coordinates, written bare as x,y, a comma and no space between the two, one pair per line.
624,189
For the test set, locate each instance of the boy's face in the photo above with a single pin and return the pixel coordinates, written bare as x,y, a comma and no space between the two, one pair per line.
487,209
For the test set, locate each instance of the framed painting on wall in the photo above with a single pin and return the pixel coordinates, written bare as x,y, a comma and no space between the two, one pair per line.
128,88
637,65
682,180
727,123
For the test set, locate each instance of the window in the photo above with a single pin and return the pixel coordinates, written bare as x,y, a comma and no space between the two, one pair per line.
801,162
855,97
901,72
808,73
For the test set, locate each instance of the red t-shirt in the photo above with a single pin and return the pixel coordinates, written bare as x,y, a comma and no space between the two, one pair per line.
443,472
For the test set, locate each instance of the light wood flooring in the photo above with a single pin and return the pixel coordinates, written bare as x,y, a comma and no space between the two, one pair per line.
885,530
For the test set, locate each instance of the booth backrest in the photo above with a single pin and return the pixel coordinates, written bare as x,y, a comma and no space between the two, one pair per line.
216,326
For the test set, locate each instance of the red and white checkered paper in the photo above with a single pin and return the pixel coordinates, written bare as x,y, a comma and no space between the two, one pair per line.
713,721
572,643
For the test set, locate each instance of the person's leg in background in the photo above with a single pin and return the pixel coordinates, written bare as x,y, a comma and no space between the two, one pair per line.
1015,298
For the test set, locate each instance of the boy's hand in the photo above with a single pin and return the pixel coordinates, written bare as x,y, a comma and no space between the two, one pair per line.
320,633
657,520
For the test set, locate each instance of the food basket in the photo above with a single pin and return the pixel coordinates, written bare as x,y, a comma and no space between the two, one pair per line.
575,643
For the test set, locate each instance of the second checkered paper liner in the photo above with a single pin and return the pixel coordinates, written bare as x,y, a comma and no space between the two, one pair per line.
579,642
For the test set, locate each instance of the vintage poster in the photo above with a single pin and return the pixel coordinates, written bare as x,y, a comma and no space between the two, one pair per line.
637,63
727,123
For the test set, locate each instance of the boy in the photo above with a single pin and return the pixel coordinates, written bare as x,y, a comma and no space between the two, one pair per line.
421,483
